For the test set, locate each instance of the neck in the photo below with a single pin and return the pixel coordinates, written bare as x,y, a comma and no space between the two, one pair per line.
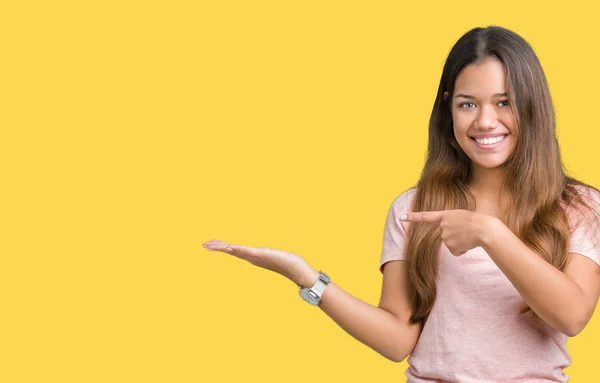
486,182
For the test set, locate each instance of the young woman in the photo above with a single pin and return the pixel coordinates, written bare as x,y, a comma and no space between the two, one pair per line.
493,260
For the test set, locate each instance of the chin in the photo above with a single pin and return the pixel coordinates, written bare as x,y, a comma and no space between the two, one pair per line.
490,166
493,164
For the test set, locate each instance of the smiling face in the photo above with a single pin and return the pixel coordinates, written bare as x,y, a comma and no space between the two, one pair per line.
484,124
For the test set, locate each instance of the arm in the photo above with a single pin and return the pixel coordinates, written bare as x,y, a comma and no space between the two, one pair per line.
386,329
565,300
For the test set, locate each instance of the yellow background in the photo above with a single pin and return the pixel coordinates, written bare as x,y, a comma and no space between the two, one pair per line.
132,131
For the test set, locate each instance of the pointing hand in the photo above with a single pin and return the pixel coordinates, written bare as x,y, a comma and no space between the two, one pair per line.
462,230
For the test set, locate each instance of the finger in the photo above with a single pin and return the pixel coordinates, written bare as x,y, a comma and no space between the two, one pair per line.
239,249
216,245
207,243
423,216
213,243
242,250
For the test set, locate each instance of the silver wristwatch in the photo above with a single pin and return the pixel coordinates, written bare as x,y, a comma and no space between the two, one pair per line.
313,294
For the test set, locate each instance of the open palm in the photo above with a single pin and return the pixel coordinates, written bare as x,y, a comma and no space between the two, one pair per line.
290,265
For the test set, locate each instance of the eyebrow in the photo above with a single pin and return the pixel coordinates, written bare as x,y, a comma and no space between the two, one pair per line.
473,97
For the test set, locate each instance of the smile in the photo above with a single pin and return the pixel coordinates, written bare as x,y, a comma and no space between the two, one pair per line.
489,143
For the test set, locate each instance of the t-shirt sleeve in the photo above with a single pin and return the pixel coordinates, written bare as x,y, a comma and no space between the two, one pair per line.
585,236
395,231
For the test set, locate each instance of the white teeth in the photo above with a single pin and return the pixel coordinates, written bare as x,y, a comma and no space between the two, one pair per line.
489,141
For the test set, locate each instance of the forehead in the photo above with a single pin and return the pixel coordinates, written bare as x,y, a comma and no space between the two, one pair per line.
485,78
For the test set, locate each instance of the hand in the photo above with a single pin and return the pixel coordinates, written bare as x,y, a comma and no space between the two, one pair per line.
462,230
290,265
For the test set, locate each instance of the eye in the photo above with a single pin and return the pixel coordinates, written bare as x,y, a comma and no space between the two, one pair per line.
503,103
466,105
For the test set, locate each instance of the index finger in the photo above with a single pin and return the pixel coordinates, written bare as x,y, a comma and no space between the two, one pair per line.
423,216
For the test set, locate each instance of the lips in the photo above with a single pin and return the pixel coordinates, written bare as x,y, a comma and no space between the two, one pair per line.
488,142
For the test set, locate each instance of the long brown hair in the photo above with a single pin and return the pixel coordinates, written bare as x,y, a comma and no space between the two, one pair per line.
535,192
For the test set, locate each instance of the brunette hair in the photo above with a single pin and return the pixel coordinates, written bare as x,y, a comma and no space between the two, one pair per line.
536,192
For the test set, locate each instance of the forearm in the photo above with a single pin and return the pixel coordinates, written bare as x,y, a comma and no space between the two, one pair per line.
550,293
377,328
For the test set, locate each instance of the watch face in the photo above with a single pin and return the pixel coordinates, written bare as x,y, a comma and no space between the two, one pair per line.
310,298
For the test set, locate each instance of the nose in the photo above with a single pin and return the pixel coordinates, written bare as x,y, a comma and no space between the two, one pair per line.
487,119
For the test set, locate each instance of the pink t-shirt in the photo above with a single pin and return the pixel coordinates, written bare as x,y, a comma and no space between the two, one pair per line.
475,332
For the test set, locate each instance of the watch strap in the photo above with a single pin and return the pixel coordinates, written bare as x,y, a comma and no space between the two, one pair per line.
319,286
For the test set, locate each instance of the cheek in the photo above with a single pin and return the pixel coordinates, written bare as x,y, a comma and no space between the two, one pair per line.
508,119
461,125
